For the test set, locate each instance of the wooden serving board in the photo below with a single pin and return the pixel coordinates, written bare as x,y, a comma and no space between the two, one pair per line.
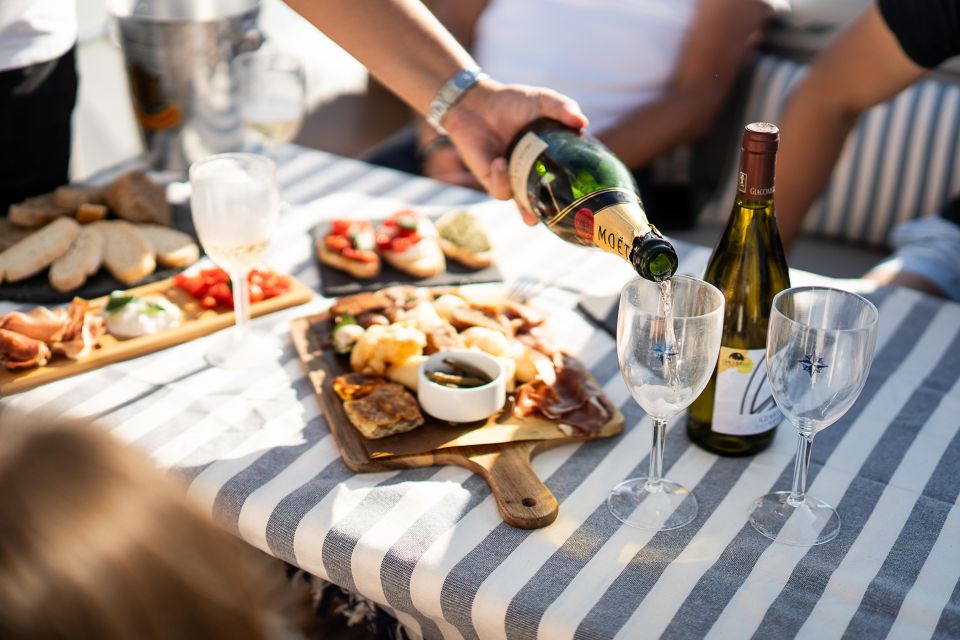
197,322
499,450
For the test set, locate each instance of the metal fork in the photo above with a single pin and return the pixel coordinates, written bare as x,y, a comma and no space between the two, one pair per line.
524,288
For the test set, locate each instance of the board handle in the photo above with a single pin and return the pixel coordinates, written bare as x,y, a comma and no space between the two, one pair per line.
522,498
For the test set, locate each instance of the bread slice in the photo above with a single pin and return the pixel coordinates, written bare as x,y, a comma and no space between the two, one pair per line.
423,259
386,410
38,250
88,212
83,258
37,211
11,234
126,253
173,248
71,196
464,239
135,197
356,268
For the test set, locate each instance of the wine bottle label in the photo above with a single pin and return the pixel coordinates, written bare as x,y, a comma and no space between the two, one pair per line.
743,404
606,219
520,164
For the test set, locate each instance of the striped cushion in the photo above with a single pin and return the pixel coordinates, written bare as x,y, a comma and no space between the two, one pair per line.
901,161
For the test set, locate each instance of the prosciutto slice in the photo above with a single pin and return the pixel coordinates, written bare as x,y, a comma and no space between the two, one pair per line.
574,399
18,351
29,339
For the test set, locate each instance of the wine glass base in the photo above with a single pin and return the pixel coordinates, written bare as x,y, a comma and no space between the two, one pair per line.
667,506
806,524
256,349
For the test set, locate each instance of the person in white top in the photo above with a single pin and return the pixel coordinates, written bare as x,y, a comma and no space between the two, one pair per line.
650,74
38,89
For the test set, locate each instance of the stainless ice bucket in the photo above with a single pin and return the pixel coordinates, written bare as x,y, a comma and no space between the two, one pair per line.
177,55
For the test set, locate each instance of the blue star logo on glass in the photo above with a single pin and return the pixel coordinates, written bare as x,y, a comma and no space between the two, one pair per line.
664,352
812,366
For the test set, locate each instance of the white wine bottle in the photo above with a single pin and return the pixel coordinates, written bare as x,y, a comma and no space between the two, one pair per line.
736,414
585,195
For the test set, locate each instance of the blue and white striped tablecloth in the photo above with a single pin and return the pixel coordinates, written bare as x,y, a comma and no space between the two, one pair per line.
429,545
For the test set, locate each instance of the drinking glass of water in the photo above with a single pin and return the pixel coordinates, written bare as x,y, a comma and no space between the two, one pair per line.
235,207
668,340
271,90
820,345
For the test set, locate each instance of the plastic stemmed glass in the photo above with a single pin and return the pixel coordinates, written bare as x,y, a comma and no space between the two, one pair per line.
235,206
667,351
271,91
820,344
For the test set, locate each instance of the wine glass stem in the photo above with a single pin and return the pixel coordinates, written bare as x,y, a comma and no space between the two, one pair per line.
241,306
800,467
656,454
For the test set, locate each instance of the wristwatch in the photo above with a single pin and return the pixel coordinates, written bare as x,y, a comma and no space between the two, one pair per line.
450,92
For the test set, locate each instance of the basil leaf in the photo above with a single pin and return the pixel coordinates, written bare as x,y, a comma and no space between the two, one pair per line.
153,309
118,302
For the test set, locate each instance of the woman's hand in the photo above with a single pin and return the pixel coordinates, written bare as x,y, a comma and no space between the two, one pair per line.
485,120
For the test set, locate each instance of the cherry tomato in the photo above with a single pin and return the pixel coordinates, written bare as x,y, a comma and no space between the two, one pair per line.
403,243
360,256
340,227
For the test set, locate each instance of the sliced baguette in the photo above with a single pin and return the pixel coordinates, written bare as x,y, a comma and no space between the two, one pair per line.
466,257
37,211
423,259
135,197
38,250
11,234
461,235
173,248
83,258
72,196
126,253
89,212
356,268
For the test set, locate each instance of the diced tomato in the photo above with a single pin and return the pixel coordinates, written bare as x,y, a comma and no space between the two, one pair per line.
337,243
360,256
221,293
340,227
256,292
403,243
208,302
383,241
389,223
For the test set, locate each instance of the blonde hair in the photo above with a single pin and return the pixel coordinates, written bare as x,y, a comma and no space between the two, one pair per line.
97,543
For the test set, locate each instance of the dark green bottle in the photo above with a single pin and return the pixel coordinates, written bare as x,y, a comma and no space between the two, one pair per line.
736,414
585,195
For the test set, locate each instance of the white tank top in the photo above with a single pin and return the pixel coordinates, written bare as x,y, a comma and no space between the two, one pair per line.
611,56
33,31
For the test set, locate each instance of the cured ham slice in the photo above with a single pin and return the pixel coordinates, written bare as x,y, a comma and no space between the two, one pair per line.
574,399
29,339
18,351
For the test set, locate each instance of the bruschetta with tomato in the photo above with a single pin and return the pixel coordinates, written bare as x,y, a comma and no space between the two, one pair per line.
349,245
409,242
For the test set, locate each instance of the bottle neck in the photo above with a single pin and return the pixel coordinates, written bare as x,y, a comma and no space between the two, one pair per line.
755,182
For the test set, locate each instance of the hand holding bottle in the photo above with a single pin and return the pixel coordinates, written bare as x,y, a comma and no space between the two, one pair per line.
490,114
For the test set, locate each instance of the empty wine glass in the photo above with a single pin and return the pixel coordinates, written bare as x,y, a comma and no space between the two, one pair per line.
235,207
819,348
271,91
668,340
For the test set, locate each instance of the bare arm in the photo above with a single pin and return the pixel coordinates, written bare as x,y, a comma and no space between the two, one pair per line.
863,67
410,52
722,34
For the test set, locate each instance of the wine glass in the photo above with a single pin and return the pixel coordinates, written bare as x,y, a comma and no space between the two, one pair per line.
271,92
668,340
235,207
819,347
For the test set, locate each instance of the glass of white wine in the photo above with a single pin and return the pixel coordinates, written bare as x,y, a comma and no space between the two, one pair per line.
819,348
271,91
235,204
668,340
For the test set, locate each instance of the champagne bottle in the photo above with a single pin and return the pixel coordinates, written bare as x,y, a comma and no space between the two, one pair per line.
736,414
585,195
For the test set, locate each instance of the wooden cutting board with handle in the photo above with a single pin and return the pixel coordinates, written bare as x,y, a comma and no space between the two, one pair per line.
499,450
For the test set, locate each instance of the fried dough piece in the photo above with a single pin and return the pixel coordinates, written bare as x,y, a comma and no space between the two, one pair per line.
385,411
